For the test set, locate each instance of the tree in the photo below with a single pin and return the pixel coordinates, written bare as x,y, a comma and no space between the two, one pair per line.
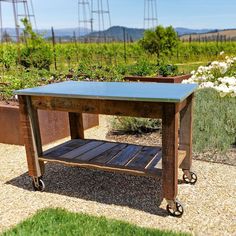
162,41
36,51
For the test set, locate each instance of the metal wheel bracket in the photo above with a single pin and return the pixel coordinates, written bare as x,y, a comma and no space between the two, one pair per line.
36,182
189,177
175,208
172,204
188,174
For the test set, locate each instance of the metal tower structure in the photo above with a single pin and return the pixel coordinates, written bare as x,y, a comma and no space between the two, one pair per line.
21,9
150,14
101,18
85,17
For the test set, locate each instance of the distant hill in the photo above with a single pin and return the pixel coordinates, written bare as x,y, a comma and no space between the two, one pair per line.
221,35
182,31
66,33
117,33
134,34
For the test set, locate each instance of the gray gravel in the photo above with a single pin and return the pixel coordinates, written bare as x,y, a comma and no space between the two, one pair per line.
209,205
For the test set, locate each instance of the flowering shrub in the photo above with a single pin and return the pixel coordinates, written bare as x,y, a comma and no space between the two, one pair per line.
220,75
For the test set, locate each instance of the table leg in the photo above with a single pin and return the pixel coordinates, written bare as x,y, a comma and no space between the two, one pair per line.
76,125
170,123
170,150
186,123
186,133
32,138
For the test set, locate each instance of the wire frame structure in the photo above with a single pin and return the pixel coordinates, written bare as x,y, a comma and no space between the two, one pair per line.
101,18
21,9
85,22
150,14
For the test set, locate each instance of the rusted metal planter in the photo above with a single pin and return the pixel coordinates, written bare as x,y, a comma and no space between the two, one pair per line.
54,125
158,79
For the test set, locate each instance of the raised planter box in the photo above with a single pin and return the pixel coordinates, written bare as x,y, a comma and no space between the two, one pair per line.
158,79
54,125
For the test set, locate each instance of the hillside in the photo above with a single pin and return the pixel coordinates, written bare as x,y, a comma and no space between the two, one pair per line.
114,33
117,33
221,35
133,34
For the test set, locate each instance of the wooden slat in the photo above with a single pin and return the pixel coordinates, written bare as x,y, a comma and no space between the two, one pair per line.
125,155
108,155
58,146
79,151
156,162
151,172
96,151
63,149
106,107
143,158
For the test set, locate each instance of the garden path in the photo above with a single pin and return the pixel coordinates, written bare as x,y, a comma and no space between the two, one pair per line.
210,204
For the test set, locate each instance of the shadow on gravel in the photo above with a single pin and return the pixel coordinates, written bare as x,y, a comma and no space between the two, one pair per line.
142,193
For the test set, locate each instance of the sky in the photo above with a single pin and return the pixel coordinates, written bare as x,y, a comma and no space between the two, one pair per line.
195,14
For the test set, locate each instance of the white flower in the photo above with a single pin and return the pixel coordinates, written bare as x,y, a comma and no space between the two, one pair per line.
208,77
207,85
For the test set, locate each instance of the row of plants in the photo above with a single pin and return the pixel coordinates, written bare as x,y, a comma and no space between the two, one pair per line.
161,44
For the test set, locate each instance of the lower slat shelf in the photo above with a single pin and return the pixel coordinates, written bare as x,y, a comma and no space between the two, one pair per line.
109,156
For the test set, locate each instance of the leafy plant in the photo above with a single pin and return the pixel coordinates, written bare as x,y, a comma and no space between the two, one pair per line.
162,42
168,70
133,125
36,52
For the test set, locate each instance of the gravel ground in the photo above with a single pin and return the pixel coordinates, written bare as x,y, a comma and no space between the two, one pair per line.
209,205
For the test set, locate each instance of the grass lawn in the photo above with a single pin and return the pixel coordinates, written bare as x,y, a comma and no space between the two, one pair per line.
61,222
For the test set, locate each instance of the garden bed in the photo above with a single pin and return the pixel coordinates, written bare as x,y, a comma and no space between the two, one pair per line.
54,125
158,79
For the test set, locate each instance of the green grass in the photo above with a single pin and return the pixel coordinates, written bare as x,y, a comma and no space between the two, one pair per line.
61,222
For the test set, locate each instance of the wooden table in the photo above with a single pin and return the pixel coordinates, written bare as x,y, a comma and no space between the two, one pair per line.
170,102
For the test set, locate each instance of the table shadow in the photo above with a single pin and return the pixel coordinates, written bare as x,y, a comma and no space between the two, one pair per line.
142,193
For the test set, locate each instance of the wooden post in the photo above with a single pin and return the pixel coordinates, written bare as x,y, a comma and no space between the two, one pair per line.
124,38
170,119
186,133
54,49
76,125
32,137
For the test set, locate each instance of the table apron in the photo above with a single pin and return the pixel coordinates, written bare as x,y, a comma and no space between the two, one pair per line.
106,107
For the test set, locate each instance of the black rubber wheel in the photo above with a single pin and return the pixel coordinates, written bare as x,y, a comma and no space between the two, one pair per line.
193,179
40,187
179,209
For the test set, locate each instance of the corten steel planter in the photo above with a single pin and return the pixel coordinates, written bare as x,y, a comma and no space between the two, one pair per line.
158,79
54,125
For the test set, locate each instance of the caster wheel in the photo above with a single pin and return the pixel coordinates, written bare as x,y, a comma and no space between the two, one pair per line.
177,210
38,184
191,180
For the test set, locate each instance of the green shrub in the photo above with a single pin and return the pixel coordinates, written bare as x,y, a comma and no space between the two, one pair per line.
214,121
133,125
36,52
168,70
